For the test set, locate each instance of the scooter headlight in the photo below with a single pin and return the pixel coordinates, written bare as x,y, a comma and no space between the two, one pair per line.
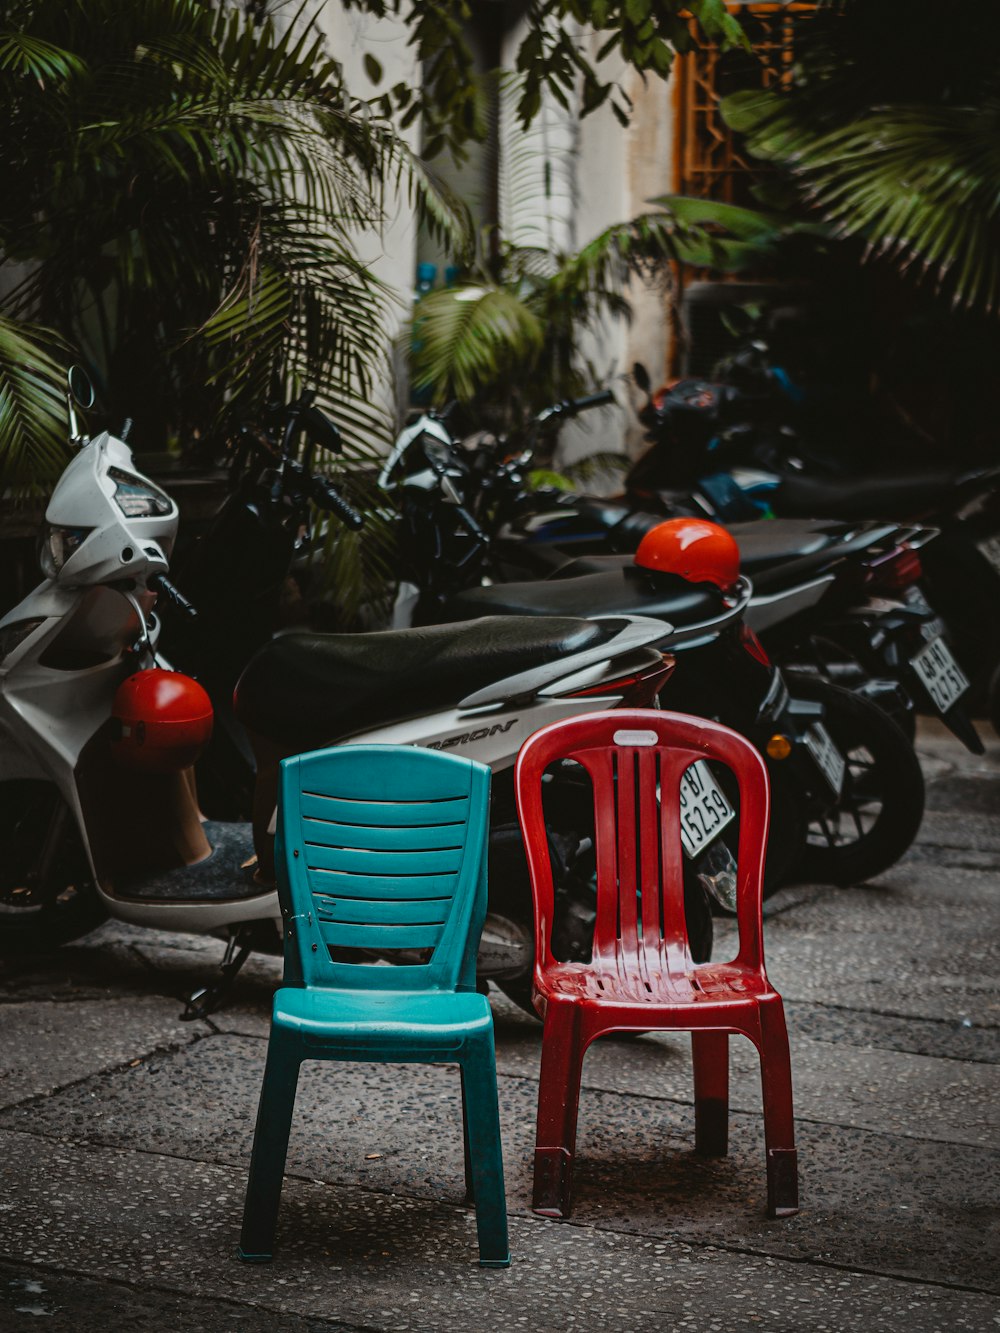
58,545
136,498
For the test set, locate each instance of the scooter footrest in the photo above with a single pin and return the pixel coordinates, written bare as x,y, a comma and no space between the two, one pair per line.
225,876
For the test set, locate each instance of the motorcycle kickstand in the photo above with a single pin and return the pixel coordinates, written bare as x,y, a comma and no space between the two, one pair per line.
206,1000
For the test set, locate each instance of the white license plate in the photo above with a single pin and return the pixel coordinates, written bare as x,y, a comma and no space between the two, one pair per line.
940,674
990,548
705,812
826,756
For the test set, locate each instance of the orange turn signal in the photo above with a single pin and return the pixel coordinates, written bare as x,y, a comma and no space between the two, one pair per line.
779,747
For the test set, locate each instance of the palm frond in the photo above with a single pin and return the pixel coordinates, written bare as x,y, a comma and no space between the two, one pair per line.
32,406
919,183
195,226
42,61
468,335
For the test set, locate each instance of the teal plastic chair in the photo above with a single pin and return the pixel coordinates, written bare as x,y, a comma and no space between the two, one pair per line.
381,847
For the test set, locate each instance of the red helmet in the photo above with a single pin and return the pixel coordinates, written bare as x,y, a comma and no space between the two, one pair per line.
164,721
697,550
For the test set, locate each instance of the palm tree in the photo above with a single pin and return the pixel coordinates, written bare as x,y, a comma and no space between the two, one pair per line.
891,133
183,190
507,340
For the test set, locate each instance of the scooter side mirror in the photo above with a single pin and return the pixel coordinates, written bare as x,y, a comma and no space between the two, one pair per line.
80,386
641,376
79,391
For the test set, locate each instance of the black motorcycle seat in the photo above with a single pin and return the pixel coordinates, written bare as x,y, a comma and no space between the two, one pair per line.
307,689
621,591
896,496
775,553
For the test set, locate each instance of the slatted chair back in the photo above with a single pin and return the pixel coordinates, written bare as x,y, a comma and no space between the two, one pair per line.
382,849
635,760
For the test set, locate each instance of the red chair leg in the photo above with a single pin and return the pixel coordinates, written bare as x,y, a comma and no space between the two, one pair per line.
558,1105
710,1056
779,1127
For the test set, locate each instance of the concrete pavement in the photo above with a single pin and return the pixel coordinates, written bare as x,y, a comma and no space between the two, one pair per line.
125,1137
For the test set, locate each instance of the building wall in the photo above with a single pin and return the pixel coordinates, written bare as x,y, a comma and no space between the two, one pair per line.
391,251
562,181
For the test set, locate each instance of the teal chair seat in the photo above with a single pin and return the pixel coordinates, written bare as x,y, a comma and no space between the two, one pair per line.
379,849
417,1019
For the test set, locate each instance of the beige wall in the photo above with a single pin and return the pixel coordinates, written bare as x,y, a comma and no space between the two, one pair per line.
391,251
599,174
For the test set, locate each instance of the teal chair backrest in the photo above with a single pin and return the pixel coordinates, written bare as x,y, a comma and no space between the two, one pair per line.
382,847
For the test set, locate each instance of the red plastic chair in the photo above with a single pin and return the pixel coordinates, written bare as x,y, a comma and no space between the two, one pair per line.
641,976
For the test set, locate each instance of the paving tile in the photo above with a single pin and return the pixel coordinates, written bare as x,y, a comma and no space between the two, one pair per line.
398,1129
392,1262
48,1045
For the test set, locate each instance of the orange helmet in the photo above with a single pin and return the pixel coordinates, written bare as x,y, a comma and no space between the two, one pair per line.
699,551
163,721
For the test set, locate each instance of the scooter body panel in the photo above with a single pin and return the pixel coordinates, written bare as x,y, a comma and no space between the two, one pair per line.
766,611
491,737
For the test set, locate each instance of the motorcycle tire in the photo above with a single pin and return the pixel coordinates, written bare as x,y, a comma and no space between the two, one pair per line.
993,701
881,804
835,662
786,836
47,893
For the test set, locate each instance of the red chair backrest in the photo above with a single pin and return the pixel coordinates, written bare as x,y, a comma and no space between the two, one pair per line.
629,754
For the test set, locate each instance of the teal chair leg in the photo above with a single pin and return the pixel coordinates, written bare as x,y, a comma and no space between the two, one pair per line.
479,1079
470,1189
270,1148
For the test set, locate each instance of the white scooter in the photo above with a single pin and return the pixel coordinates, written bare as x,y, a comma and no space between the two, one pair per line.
82,838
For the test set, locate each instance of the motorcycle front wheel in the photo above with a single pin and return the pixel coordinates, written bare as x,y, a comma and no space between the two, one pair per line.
881,804
47,893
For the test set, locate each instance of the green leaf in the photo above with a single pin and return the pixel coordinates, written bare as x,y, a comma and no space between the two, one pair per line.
33,423
466,336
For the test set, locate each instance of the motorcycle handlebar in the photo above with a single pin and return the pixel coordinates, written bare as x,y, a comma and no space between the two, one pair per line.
569,407
160,583
322,493
600,399
326,495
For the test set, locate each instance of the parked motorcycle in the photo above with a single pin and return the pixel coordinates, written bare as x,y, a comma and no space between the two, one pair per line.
844,600
84,837
714,450
848,788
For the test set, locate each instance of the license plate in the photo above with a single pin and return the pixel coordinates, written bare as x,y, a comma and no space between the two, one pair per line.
705,812
826,756
990,548
940,674
933,626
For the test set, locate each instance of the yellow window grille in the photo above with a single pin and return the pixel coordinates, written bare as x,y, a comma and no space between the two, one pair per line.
708,160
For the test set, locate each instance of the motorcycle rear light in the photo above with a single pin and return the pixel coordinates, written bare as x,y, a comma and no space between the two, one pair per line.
754,646
896,571
638,690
